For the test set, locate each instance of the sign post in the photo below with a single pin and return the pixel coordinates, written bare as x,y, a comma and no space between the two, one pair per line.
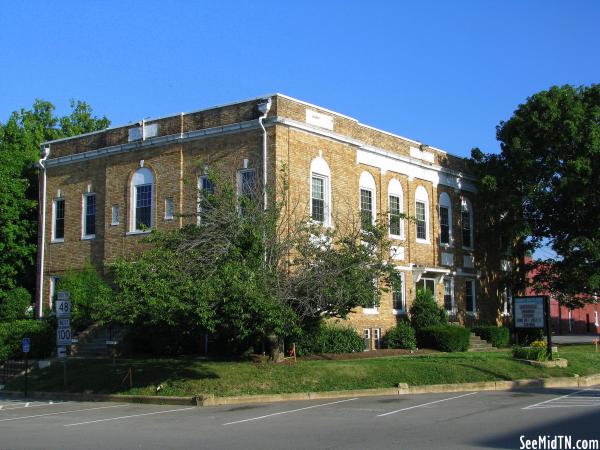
63,331
26,346
533,312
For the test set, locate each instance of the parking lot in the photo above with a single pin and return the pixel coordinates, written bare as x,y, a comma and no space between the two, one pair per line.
453,420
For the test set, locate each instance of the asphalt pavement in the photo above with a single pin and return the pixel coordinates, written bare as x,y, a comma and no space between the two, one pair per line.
493,419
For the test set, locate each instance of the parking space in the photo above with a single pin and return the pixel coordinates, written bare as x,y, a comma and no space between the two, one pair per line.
460,420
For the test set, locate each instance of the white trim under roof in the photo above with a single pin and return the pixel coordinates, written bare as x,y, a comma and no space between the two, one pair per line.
261,97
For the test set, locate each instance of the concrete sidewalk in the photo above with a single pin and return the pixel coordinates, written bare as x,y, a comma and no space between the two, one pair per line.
573,338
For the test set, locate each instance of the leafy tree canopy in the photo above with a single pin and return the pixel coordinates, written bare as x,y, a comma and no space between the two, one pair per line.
542,186
20,139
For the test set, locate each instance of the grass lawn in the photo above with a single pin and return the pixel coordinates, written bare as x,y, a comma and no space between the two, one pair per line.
193,376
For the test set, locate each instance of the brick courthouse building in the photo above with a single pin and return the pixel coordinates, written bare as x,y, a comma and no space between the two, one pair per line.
101,190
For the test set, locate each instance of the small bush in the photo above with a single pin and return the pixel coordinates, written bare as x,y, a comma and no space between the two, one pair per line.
425,312
329,339
538,351
446,338
401,336
499,337
526,337
40,332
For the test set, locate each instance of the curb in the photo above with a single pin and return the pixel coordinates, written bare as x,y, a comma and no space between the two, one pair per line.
402,389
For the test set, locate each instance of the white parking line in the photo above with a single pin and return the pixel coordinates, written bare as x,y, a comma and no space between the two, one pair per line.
291,411
128,417
584,397
57,413
425,404
36,405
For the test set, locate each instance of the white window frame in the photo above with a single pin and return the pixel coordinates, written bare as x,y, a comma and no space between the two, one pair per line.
466,206
446,202
421,196
474,295
425,280
402,311
320,169
377,338
452,295
374,310
367,183
54,239
395,190
84,206
201,180
52,289
147,178
169,204
367,338
114,213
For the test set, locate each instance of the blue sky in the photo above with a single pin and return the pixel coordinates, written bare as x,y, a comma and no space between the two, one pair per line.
444,73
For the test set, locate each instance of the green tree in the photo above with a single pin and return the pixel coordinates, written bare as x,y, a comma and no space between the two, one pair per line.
20,139
541,188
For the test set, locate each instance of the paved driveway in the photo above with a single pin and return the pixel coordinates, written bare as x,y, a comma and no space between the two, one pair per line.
449,421
573,338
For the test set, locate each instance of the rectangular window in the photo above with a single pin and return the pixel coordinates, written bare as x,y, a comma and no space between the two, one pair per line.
318,198
398,303
366,208
246,189
470,296
466,228
427,284
59,220
444,225
89,215
421,221
448,294
168,209
395,219
367,338
143,207
206,188
377,337
115,215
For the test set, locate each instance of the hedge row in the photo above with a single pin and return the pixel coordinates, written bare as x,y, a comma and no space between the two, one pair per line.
446,338
329,339
40,333
499,337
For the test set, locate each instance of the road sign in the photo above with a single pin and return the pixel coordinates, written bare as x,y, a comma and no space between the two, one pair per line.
61,352
63,305
64,323
25,344
63,336
529,312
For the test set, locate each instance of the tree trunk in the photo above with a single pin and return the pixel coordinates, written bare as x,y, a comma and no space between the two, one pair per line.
275,344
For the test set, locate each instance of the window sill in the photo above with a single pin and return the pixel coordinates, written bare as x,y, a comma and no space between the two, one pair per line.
423,241
469,249
114,224
370,311
88,237
57,241
446,246
167,219
137,232
397,237
399,312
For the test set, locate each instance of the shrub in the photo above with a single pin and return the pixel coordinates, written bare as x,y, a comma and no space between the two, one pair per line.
401,336
15,305
498,336
526,337
538,351
41,334
425,312
446,338
329,339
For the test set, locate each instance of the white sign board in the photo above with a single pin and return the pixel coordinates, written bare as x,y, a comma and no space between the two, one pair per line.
63,305
61,352
63,336
319,119
64,323
529,312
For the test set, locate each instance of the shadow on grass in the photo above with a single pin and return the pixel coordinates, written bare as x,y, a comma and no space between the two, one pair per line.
100,376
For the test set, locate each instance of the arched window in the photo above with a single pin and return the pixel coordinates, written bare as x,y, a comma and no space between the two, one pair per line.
396,208
445,219
422,214
320,191
367,191
466,216
142,203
